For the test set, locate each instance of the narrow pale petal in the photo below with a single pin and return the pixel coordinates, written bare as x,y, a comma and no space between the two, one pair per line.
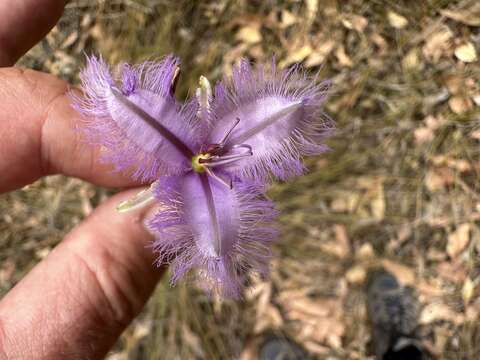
204,97
127,118
141,199
281,119
221,232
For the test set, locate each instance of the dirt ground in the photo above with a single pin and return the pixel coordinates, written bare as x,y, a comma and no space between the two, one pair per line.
399,188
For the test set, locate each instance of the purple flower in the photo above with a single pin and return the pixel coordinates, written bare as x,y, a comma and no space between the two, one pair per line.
209,159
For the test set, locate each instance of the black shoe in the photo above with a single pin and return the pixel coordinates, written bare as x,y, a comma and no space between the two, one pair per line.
280,348
393,313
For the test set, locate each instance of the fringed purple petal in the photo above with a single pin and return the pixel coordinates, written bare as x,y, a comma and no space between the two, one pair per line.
130,142
281,118
223,243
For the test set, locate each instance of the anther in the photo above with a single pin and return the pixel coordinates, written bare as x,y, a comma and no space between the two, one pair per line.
173,85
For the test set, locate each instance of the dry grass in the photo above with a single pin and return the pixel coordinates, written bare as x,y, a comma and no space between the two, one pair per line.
399,188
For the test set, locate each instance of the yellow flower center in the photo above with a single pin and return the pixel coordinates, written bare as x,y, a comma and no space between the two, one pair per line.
197,166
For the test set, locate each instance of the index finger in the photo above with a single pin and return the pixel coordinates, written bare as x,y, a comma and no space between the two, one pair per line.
24,23
39,133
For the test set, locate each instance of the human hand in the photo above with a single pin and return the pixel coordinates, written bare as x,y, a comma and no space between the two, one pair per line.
76,302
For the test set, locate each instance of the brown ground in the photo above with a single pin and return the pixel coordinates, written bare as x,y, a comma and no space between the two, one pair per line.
399,188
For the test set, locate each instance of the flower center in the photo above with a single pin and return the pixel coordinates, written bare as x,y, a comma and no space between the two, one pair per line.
217,157
197,165
219,154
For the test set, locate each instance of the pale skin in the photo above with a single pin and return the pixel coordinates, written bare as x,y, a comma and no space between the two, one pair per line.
76,302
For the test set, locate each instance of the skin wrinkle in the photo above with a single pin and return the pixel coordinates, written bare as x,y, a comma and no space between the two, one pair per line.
121,307
92,323
107,312
44,161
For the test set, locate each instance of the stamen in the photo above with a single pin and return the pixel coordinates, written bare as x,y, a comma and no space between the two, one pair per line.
211,173
173,85
222,160
264,124
202,162
163,131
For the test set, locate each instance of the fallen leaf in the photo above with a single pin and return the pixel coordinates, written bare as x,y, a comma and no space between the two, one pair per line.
467,290
378,202
312,8
249,34
452,271
42,253
299,307
461,165
476,98
460,104
365,252
434,122
315,348
475,134
341,238
437,44
297,55
354,22
436,311
466,53
356,275
250,349
411,61
439,179
396,20
320,53
142,329
256,51
269,319
468,16
342,57
428,289
321,320
404,274
458,240
288,19
423,135
454,83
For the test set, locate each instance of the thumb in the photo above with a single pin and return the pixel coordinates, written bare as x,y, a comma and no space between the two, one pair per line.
76,302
